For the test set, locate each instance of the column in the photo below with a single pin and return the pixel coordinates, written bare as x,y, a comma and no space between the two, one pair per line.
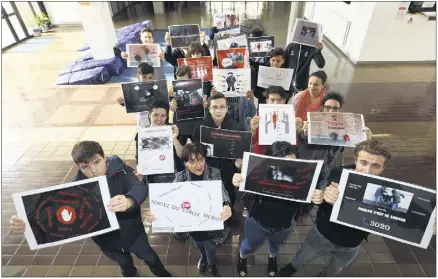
158,7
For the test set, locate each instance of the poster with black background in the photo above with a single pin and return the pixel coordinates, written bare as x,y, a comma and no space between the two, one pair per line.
65,213
183,35
226,144
260,46
189,99
139,96
282,178
397,210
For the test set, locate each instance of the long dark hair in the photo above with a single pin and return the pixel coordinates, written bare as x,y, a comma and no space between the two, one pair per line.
281,149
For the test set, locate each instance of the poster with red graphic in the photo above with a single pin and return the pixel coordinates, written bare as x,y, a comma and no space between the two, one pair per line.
202,67
233,58
281,178
65,213
277,123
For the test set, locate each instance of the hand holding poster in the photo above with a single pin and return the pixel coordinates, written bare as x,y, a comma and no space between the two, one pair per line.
139,96
183,35
260,46
232,42
336,128
397,210
186,206
226,144
277,123
65,213
229,23
138,53
155,150
234,58
202,67
282,178
232,82
306,32
189,99
274,76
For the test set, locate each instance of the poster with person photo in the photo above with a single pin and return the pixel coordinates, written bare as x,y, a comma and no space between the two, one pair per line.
260,46
394,209
227,23
234,58
225,144
183,35
232,42
282,178
65,213
306,33
201,67
232,82
189,99
138,53
139,96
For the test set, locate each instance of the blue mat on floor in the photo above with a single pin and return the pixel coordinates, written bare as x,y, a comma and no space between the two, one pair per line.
31,45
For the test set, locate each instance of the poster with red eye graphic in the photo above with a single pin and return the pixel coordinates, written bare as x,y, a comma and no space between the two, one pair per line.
65,213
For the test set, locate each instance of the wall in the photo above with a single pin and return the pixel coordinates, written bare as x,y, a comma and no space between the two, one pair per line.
63,12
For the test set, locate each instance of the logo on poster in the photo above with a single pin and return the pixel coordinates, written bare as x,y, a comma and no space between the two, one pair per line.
162,157
66,215
185,205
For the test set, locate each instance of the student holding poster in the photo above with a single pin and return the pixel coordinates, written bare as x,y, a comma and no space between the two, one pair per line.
127,193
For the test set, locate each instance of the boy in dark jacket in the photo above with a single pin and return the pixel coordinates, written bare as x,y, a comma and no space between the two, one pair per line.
127,194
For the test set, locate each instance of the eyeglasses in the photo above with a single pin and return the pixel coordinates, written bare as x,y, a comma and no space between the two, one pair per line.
88,167
218,108
328,108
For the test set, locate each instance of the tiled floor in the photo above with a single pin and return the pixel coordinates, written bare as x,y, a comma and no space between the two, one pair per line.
41,122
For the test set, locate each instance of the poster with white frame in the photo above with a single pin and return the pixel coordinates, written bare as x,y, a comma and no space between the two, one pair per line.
232,82
232,42
277,123
306,33
274,76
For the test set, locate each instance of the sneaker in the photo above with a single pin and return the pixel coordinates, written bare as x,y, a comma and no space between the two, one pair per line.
241,267
272,266
213,271
202,265
287,271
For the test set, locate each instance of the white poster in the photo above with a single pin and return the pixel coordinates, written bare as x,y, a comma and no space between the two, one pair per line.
143,120
155,150
227,23
232,42
65,213
186,206
232,82
274,76
429,4
306,33
277,123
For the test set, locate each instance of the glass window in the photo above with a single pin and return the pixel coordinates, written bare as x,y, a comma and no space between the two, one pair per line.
36,8
7,7
27,15
7,37
17,27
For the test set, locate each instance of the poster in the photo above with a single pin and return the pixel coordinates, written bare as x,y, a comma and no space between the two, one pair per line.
226,144
336,128
155,150
202,67
232,82
183,35
143,119
65,213
260,46
138,53
397,210
277,123
186,206
274,76
234,58
232,42
139,96
306,33
189,99
282,178
228,23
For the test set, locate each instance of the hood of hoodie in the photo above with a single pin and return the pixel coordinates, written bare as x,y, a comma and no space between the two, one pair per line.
113,165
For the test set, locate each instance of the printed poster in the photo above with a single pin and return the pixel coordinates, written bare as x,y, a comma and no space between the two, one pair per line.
186,206
228,23
65,213
260,46
274,76
189,99
202,67
138,53
234,58
155,150
397,210
282,178
139,96
232,42
226,144
183,35
336,128
232,82
306,32
277,123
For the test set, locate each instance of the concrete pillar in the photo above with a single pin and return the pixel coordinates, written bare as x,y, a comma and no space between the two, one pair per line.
158,7
99,29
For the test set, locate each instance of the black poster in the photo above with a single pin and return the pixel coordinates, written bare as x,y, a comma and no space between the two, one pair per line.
226,144
390,208
260,46
139,96
183,35
189,99
283,178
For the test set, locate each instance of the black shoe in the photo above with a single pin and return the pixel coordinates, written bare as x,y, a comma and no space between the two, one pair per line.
233,222
242,271
213,271
272,266
287,271
202,265
133,273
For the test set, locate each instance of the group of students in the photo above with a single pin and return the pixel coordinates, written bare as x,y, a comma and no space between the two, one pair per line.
268,217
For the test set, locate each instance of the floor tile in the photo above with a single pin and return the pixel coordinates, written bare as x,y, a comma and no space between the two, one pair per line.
411,270
59,271
81,271
381,257
429,269
13,271
386,270
177,271
105,271
36,271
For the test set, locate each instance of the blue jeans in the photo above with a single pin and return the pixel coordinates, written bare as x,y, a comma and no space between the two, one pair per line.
208,250
255,234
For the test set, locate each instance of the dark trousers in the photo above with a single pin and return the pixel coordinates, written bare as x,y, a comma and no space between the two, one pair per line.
208,250
142,250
